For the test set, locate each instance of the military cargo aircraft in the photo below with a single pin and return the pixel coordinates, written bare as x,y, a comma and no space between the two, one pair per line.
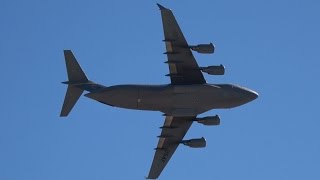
181,101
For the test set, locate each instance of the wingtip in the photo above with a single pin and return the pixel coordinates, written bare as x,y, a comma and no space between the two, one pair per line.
63,115
161,7
147,177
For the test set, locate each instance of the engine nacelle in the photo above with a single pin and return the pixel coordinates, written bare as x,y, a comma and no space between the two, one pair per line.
209,120
214,70
195,143
204,48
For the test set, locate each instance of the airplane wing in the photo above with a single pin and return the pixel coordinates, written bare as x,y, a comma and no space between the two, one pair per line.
173,131
182,65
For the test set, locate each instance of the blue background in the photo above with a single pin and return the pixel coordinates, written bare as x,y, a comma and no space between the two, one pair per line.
271,46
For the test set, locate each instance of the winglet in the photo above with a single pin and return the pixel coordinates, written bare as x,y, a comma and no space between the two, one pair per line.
161,7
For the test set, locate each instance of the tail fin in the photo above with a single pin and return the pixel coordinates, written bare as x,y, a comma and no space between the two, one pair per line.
75,73
76,77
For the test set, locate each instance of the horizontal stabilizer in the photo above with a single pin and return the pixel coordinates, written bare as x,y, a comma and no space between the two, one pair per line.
72,95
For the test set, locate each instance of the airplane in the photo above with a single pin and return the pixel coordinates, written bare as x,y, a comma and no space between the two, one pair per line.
181,101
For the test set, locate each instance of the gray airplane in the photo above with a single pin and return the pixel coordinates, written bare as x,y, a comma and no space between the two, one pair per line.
181,101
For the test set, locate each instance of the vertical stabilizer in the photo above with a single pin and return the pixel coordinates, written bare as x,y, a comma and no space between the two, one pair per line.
75,73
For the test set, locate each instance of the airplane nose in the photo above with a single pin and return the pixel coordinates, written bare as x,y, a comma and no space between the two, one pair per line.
252,95
245,95
248,94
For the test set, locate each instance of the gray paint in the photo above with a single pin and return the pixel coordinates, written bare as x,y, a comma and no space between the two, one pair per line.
181,101
175,100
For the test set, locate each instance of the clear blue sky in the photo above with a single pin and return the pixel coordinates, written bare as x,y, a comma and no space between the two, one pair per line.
271,46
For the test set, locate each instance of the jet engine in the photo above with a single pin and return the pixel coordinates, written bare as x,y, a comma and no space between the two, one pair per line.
204,48
209,120
195,143
213,70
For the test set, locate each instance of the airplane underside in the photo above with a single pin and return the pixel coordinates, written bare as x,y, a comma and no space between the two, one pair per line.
173,100
181,101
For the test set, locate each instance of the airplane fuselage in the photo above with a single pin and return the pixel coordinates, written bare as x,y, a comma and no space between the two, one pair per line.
175,100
